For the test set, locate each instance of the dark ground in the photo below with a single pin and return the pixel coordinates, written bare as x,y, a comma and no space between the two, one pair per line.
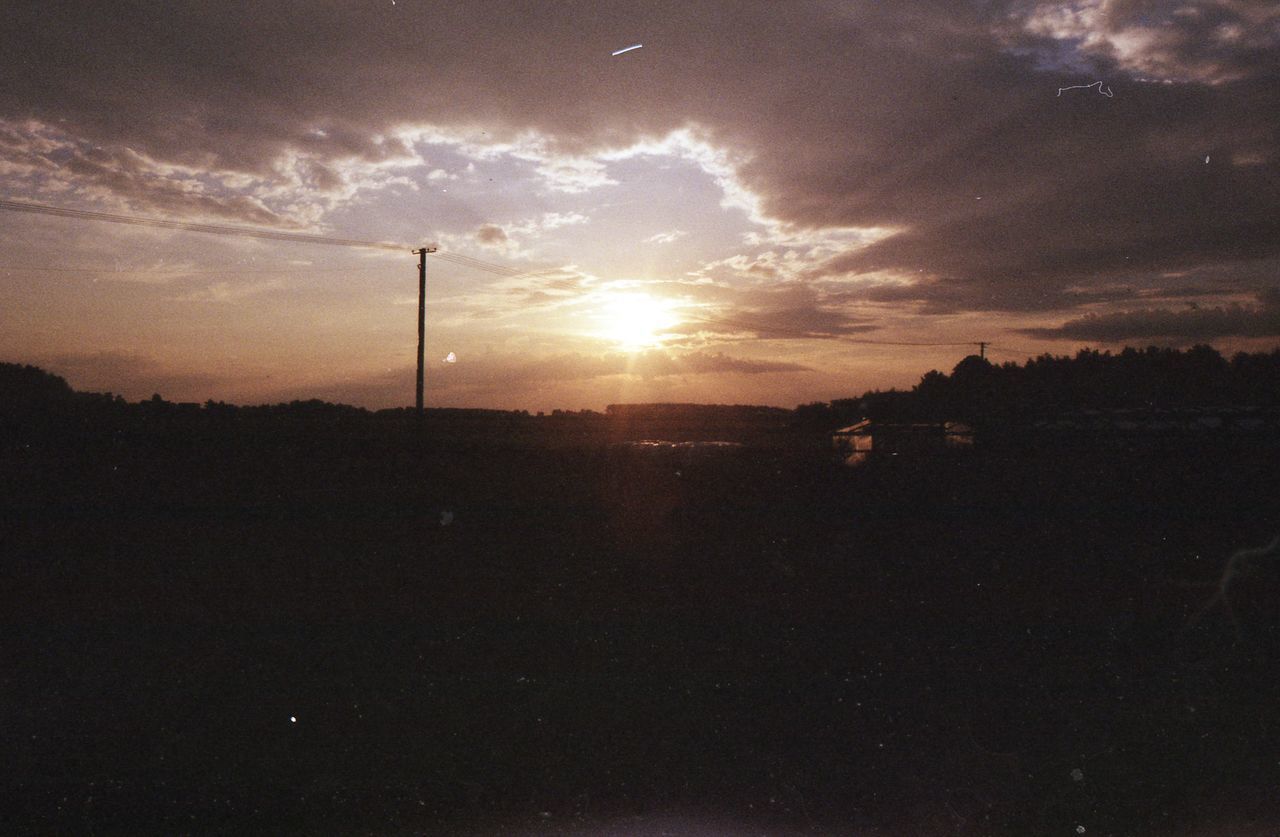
604,640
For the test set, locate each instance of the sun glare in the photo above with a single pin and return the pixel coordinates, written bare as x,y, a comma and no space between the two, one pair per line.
635,321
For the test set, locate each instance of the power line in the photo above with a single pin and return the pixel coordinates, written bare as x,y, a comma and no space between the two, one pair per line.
478,264
248,232
194,226
1005,350
177,272
491,267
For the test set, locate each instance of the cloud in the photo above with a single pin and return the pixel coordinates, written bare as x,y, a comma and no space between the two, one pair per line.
1188,324
491,235
53,163
47,162
513,238
937,121
666,237
1211,42
555,220
548,288
576,366
791,311
572,175
714,362
801,322
232,292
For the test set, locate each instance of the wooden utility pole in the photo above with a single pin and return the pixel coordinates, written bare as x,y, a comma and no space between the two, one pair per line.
982,348
422,315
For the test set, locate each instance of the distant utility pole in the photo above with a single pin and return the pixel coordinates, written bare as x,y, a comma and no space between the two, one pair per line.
422,314
982,348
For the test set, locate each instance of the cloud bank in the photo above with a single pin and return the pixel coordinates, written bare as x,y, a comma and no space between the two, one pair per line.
939,120
890,159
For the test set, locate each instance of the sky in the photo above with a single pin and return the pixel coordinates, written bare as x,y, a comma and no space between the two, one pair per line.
766,203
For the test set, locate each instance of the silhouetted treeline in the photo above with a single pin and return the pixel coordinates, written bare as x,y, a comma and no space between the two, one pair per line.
982,392
976,391
35,404
28,392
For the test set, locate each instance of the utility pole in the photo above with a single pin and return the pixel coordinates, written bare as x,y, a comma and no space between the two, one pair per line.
982,348
422,315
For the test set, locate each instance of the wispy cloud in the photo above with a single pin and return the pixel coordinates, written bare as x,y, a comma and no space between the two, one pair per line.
227,292
1190,323
666,237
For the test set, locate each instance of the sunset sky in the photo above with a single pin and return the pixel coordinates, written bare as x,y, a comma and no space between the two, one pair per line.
768,202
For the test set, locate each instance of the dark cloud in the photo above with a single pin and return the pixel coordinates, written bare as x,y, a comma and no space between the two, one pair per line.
491,235
810,321
701,363
793,310
48,159
936,119
545,287
1209,41
650,364
1190,323
936,296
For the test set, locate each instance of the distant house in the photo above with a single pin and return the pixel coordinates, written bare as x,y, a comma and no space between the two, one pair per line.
872,439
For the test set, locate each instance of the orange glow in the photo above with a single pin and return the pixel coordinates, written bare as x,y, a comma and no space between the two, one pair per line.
634,321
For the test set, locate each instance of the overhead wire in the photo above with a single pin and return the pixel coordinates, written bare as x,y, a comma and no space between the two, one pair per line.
195,226
477,264
247,232
1005,350
250,232
125,271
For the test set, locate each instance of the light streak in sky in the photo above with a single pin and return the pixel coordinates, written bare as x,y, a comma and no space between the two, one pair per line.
626,49
1096,84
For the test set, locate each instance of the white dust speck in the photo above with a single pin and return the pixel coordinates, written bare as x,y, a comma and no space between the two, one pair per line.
1206,159
626,49
451,358
293,720
1077,775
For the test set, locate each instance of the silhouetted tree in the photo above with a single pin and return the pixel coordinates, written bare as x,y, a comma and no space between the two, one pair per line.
1151,378
20,384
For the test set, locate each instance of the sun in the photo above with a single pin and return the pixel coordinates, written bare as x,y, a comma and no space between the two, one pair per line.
635,321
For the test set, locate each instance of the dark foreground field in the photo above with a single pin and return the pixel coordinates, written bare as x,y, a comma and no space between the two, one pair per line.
391,635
